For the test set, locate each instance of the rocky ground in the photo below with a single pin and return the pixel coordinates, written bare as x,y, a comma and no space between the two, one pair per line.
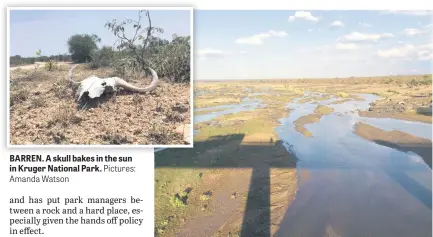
43,111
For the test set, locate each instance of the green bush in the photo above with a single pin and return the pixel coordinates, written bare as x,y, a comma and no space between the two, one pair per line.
50,65
82,46
173,60
179,200
102,58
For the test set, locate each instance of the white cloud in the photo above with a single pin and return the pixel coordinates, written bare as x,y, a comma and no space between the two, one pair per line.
242,52
410,13
420,52
356,36
258,38
344,46
396,52
303,15
336,24
310,30
415,31
211,52
364,24
411,31
278,33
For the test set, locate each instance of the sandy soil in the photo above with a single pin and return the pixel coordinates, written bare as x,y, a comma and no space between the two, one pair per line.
311,118
38,66
249,187
396,115
397,140
43,110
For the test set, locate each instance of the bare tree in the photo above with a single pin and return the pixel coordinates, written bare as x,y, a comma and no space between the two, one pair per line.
137,55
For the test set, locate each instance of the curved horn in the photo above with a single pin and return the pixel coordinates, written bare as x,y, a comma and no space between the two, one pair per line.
71,74
122,83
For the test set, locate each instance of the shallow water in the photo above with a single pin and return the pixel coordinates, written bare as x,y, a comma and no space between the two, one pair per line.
356,187
414,128
245,105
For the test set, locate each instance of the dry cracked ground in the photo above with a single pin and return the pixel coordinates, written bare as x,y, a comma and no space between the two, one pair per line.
239,179
43,111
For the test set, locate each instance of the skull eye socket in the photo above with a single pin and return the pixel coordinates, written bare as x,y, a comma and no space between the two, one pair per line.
104,83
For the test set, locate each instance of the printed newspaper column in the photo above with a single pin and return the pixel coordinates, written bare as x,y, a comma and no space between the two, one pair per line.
79,193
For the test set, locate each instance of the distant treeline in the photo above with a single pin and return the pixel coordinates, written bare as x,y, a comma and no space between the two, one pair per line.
18,60
170,58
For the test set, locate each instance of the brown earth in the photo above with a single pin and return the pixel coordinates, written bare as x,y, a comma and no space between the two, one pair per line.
43,111
239,195
401,116
397,140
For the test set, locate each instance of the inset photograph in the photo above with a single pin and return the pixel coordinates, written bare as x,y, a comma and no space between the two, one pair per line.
100,76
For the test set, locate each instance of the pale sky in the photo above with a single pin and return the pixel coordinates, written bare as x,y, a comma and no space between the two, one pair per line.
49,30
305,44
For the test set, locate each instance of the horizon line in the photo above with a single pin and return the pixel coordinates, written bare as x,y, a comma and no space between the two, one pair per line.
311,78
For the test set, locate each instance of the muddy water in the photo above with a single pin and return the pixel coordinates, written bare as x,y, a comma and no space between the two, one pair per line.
356,187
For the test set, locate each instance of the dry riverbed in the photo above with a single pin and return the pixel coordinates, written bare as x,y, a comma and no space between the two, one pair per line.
239,178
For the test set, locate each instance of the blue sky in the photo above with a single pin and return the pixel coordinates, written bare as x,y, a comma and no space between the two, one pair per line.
242,44
49,30
311,44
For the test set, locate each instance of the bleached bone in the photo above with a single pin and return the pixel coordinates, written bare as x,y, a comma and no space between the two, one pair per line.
96,86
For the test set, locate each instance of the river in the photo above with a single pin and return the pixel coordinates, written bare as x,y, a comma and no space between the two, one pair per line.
355,187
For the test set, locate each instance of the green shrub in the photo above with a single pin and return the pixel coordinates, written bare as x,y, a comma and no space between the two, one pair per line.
170,59
173,59
101,58
50,65
179,200
82,46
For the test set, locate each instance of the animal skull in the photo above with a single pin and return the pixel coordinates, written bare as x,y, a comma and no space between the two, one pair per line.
95,86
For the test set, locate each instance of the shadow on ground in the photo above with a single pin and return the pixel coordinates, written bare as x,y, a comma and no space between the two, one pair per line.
422,149
238,151
262,153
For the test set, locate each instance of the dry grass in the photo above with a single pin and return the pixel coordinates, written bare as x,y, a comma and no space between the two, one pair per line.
44,111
